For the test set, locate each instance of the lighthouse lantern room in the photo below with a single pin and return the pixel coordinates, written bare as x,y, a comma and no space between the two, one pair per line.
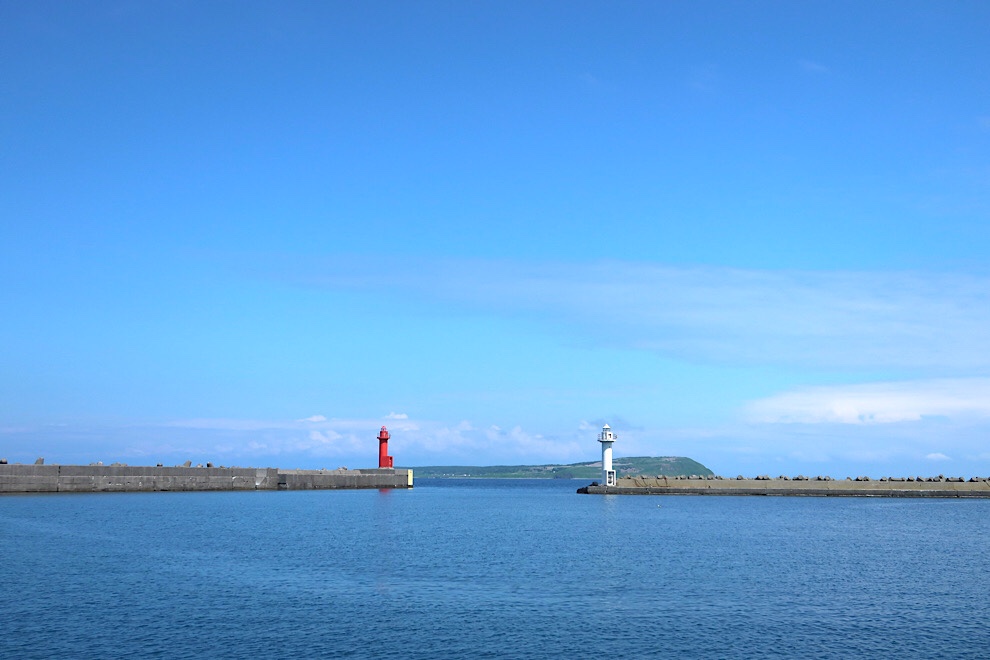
607,438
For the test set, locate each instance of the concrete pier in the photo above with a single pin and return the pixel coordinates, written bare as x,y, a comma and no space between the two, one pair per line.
38,478
329,479
798,486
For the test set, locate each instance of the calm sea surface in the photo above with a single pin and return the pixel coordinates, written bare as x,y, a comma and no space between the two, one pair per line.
457,568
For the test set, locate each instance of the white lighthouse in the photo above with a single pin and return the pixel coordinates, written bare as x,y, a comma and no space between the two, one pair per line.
607,438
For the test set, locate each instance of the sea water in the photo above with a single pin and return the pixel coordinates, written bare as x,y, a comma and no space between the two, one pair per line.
491,568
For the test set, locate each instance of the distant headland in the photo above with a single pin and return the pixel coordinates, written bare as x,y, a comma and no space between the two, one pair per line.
633,466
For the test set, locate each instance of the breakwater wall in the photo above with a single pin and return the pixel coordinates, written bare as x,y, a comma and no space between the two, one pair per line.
799,486
16,478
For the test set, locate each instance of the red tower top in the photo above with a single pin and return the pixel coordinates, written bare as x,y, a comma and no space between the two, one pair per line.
383,434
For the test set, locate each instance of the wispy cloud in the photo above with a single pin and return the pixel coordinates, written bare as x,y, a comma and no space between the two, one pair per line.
813,67
877,403
837,449
225,424
931,322
302,442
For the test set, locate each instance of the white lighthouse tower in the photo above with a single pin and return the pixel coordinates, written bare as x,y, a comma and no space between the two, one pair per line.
607,438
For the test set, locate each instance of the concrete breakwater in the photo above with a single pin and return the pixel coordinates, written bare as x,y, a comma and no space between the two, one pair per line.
16,478
798,486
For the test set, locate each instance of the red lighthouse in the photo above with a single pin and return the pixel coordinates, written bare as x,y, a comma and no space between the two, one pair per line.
384,460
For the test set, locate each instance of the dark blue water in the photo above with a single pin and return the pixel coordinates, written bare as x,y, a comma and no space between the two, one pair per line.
490,568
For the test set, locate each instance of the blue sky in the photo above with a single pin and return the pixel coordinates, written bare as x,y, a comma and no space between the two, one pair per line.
755,234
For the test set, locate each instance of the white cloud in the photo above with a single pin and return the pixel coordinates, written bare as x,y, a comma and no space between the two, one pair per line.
876,403
393,415
837,449
314,418
937,456
353,441
324,437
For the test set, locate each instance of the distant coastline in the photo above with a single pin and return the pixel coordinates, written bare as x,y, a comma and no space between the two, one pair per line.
633,466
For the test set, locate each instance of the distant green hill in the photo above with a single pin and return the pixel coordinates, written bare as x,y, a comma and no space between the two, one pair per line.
631,466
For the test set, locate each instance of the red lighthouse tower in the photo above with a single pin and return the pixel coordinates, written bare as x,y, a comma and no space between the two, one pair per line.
384,460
